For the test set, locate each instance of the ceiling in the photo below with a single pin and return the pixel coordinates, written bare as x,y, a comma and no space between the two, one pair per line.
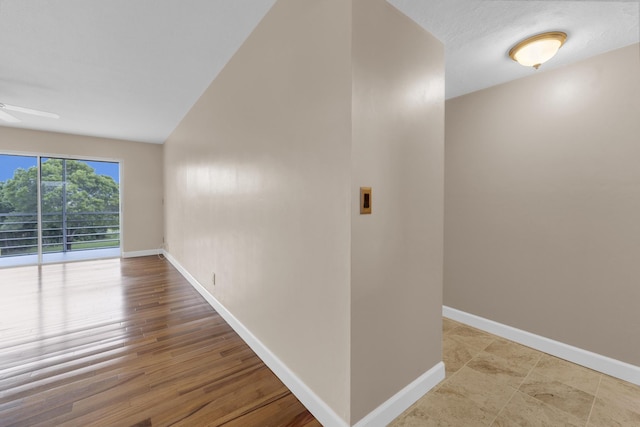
123,69
131,69
479,34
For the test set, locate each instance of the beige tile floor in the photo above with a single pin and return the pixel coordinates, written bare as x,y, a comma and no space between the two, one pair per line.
494,382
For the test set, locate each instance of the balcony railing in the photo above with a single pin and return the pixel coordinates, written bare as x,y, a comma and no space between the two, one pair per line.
76,231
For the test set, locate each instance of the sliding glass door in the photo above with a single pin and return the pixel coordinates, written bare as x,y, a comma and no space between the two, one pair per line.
18,210
76,216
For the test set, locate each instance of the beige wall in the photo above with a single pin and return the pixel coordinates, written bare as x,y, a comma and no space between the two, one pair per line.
141,176
542,212
257,190
262,179
398,151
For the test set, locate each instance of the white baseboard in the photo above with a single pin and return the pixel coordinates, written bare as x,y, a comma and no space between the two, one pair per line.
135,254
597,362
399,402
381,416
323,413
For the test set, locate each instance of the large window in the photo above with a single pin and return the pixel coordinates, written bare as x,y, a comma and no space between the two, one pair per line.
57,209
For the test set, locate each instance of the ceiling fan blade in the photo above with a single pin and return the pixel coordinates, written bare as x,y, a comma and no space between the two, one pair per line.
8,117
29,111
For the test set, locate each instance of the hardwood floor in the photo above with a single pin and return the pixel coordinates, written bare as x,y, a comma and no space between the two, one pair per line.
123,343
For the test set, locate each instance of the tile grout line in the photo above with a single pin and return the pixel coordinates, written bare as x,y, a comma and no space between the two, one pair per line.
504,406
539,367
467,347
446,380
566,383
518,388
474,357
551,406
495,338
595,397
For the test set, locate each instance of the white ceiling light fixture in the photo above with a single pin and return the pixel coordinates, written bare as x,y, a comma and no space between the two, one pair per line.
11,119
536,50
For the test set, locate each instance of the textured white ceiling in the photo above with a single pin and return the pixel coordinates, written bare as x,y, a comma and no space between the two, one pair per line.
125,69
478,34
131,69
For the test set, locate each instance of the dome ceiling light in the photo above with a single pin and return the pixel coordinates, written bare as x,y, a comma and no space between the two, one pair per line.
538,49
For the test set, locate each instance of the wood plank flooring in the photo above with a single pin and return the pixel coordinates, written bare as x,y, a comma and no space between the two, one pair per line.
127,343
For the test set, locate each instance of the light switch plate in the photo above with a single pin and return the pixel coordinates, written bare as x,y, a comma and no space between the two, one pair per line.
365,200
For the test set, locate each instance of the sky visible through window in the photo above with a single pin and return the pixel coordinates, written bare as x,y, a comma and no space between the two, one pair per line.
9,163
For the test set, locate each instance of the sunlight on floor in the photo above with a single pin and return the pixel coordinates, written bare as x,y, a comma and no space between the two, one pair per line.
57,257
